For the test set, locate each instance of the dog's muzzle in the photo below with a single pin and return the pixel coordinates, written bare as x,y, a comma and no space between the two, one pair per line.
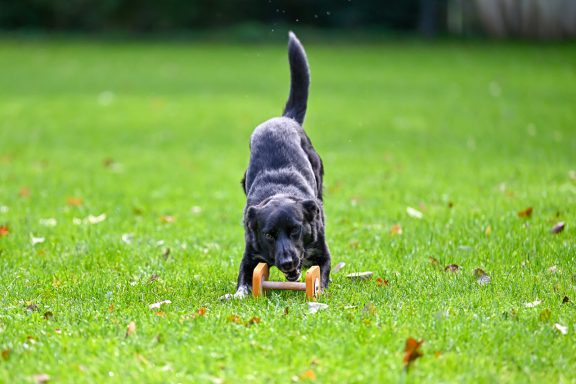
293,275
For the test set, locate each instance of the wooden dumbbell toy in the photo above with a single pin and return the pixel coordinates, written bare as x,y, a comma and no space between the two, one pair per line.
260,283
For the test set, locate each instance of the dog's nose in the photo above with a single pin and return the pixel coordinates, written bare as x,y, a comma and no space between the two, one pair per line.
287,265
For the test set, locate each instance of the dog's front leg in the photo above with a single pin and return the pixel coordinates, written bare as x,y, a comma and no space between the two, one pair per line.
244,286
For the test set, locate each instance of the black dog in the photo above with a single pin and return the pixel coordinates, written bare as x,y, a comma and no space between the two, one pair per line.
284,217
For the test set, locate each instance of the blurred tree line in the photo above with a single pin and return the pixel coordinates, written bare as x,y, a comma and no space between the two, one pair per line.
499,18
182,15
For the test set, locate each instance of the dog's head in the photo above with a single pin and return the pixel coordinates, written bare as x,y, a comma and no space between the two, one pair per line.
280,228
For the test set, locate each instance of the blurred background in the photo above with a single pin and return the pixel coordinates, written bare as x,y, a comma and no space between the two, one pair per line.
534,19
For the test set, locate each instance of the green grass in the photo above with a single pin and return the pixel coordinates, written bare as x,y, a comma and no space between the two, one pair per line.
468,134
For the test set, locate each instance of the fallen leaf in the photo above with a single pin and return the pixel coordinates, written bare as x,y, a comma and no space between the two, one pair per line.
74,201
314,307
4,230
338,267
396,229
6,353
253,320
48,315
127,238
308,375
525,212
482,277
158,304
360,275
96,219
562,329
36,240
533,304
411,351
452,268
167,219
381,282
565,300
153,278
488,230
545,314
234,319
559,227
130,329
41,378
49,222
413,212
24,192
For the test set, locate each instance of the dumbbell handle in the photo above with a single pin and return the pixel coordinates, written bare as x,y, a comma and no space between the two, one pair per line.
284,285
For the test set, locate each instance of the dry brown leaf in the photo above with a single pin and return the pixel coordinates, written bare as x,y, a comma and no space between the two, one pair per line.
4,230
74,201
167,219
396,229
24,192
482,277
381,282
234,319
452,268
130,329
153,278
252,321
525,212
308,375
559,227
411,351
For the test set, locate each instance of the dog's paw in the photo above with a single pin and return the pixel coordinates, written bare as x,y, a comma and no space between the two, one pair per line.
241,293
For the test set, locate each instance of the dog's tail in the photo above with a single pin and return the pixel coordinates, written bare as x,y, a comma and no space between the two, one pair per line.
299,80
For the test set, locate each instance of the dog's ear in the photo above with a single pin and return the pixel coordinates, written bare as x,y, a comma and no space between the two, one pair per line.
311,210
250,218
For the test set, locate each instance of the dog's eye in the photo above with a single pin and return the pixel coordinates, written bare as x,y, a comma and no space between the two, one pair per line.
269,236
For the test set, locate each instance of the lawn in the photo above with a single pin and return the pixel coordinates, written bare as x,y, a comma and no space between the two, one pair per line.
120,168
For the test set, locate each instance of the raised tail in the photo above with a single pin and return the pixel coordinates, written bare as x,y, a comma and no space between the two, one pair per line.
299,80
